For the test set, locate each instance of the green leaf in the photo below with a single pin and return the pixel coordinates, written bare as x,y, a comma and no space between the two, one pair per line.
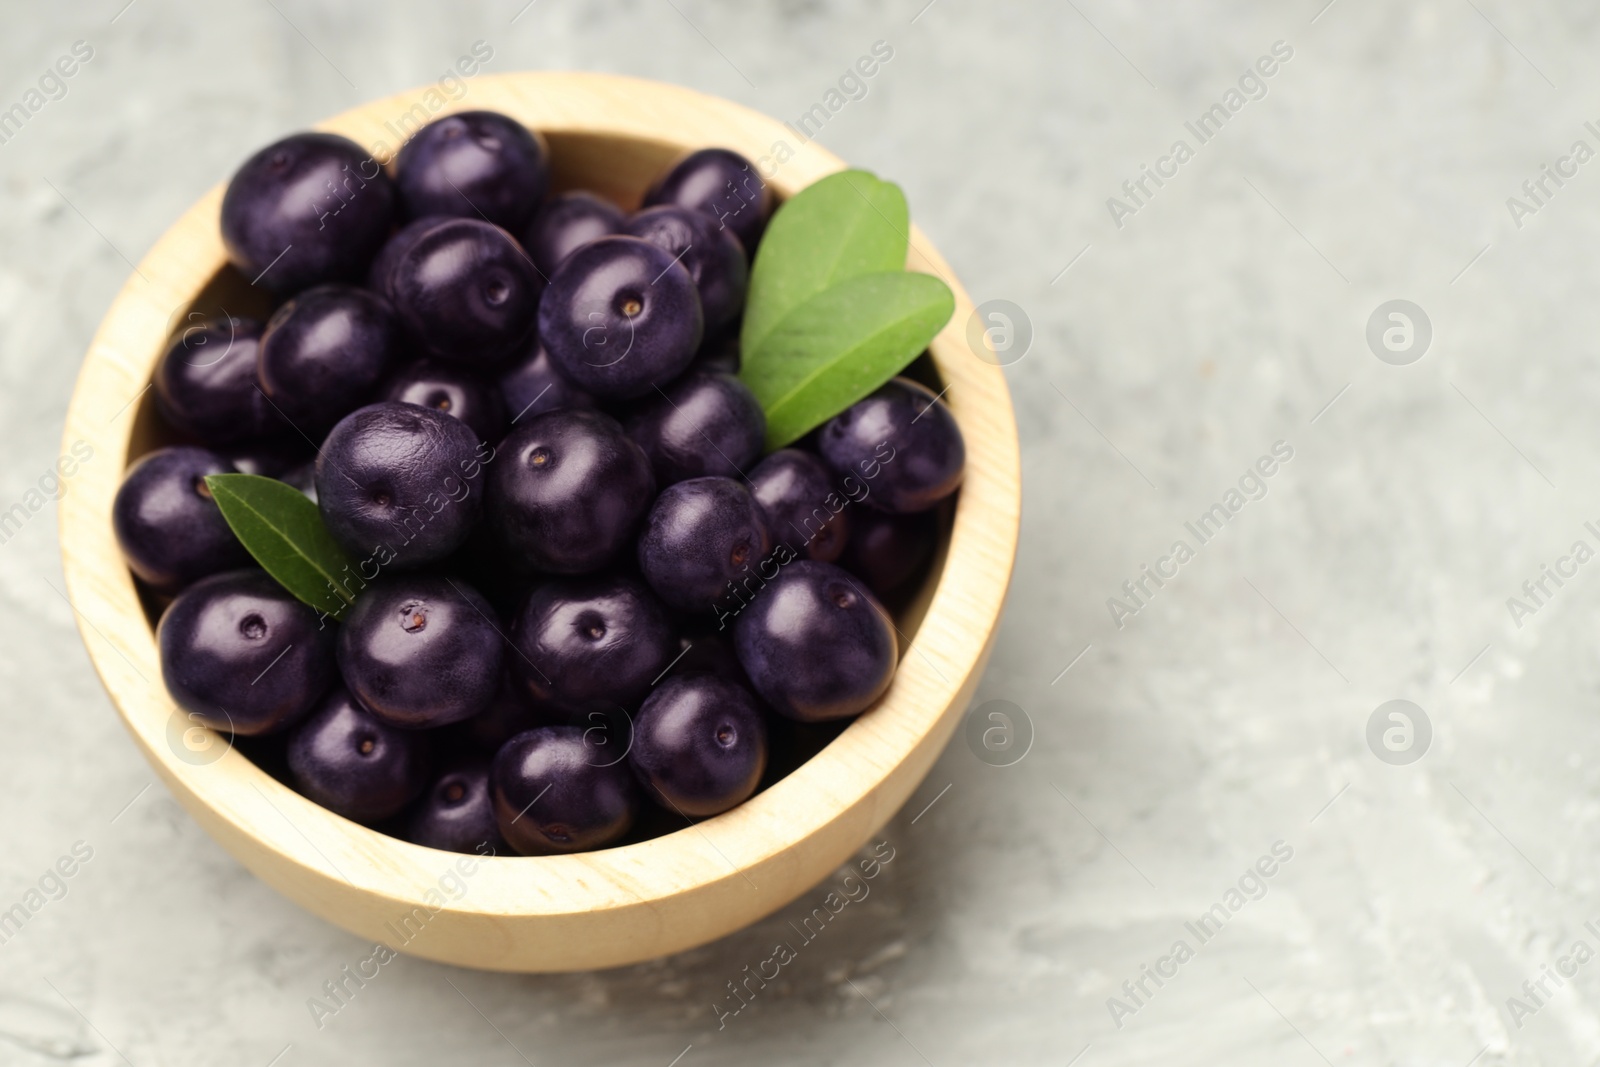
844,226
283,530
842,344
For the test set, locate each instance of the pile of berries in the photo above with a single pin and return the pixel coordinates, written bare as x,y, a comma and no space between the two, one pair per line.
580,585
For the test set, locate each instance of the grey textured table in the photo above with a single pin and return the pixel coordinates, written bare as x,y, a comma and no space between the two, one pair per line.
1179,335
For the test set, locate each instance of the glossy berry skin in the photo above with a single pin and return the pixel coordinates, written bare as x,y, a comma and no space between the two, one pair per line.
887,551
456,814
567,490
421,651
702,424
804,509
355,765
308,209
591,643
451,390
553,793
475,164
722,184
169,528
205,384
620,318
394,249
534,386
700,536
565,224
242,655
903,441
325,352
712,255
401,484
816,645
699,744
465,292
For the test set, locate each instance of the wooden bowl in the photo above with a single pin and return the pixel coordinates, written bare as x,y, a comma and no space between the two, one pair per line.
561,913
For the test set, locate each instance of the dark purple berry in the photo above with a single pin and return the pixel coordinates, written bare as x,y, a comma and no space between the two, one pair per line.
591,643
475,164
205,384
353,764
702,539
565,224
803,508
901,440
421,651
887,551
710,253
554,793
466,292
699,744
242,655
456,814
308,209
400,484
567,490
816,645
701,424
381,272
620,317
534,386
724,185
325,352
169,528
452,390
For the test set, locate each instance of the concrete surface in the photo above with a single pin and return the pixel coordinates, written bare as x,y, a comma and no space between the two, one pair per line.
1226,716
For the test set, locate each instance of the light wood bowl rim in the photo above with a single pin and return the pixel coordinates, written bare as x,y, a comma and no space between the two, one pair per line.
598,909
